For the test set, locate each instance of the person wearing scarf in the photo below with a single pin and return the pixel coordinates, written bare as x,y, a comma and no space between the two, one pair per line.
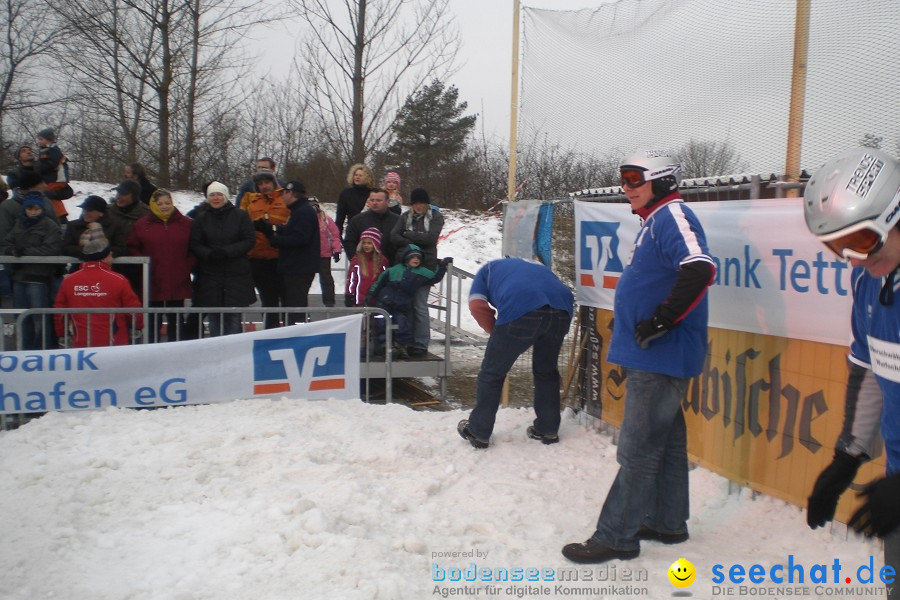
164,235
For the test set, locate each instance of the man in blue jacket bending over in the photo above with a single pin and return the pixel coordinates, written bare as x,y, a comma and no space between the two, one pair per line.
534,308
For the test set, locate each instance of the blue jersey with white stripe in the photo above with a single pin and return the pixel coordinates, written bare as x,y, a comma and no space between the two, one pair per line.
670,237
516,287
876,346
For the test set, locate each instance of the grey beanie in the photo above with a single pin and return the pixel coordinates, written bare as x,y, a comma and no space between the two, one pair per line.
95,249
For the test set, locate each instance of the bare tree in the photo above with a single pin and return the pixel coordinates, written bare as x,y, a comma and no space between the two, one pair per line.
28,35
155,67
709,159
548,171
365,56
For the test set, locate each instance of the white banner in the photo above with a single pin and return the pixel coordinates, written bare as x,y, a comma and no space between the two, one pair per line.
772,276
311,362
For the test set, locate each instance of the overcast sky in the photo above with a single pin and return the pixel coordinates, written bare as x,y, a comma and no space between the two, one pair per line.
485,58
484,80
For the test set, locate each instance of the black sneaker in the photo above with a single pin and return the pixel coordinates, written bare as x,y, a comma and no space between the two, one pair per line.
463,428
591,552
415,352
651,535
547,438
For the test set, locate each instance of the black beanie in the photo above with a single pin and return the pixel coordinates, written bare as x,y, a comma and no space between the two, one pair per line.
419,195
48,134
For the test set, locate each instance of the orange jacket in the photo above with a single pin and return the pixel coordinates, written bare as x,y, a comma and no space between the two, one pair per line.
259,206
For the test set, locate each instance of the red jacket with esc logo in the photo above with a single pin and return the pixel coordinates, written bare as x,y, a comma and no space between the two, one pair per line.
96,285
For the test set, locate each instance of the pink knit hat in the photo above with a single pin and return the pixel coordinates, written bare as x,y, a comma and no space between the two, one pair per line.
392,176
372,234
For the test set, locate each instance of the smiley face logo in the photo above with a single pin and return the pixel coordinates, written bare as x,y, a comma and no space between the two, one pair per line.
682,573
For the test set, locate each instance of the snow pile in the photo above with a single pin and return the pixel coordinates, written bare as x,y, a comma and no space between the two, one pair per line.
294,499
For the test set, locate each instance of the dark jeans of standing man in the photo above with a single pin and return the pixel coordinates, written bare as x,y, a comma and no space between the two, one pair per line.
544,329
268,283
296,294
651,487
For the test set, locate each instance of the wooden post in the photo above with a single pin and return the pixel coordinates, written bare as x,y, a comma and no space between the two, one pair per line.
513,140
798,97
513,107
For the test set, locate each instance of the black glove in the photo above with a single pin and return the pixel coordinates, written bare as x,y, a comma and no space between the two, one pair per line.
831,483
446,261
878,515
18,251
648,330
336,257
218,254
264,227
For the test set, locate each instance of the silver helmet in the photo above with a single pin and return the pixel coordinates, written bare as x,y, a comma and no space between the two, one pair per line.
658,166
856,192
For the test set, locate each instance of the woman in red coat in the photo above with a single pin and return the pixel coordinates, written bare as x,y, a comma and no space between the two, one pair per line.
164,236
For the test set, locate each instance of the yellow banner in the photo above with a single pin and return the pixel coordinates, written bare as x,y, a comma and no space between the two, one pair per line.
765,412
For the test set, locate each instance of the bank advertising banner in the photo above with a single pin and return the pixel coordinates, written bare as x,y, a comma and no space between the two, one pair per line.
772,276
313,361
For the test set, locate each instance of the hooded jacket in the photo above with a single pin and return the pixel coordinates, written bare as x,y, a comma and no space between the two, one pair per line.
167,243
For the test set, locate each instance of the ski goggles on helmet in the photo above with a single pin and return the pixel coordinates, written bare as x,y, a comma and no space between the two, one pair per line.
632,178
859,241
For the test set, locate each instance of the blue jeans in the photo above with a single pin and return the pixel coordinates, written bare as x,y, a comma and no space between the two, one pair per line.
544,329
36,330
402,325
651,487
5,283
421,319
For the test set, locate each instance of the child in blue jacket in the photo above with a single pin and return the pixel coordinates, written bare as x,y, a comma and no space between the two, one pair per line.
394,292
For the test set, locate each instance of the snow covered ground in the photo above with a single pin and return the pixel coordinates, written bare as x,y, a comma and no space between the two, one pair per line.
291,499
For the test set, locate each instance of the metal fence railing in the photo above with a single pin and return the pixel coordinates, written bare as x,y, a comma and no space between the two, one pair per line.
19,319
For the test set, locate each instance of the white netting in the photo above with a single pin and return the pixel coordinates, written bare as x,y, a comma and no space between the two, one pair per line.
639,73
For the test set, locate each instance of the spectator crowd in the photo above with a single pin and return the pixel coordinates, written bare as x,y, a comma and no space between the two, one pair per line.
266,244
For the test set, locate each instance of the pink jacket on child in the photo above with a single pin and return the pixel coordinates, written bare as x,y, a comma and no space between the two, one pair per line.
329,236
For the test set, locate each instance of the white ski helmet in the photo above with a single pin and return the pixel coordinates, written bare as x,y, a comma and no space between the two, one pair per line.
853,201
658,166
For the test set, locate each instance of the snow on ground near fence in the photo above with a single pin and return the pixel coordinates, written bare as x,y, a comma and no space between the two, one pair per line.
291,499
336,500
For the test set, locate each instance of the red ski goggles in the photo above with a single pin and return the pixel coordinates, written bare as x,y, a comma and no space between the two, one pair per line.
859,241
632,178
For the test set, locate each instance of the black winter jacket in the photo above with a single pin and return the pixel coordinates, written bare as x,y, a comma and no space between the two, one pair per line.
351,202
224,281
411,229
298,240
42,238
383,222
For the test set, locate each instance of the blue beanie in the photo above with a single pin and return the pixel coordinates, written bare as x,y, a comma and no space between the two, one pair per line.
33,200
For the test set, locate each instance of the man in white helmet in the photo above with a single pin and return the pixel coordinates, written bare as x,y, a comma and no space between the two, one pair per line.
659,336
852,204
